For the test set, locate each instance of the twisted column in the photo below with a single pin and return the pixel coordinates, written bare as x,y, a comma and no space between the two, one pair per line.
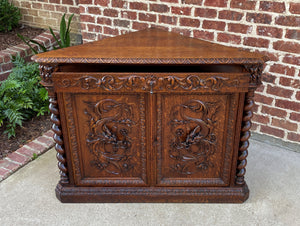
46,75
245,135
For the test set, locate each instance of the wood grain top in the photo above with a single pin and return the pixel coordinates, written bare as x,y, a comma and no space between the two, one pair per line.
150,46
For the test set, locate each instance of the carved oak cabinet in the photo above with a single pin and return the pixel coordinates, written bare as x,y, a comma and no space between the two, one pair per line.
151,116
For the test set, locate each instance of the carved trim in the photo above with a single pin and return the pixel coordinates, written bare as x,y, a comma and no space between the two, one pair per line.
46,71
245,135
255,71
56,60
58,138
148,82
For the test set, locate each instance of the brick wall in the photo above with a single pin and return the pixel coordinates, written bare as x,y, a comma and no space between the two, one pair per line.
269,27
45,13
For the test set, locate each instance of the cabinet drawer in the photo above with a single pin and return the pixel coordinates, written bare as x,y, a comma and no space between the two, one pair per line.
151,82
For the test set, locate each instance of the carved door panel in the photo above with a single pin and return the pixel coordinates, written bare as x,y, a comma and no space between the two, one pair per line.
110,146
194,143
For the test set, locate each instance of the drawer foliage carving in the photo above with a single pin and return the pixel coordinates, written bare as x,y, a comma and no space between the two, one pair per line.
193,141
108,140
149,82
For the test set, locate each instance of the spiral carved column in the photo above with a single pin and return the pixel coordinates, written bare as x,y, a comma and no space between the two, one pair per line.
46,74
245,135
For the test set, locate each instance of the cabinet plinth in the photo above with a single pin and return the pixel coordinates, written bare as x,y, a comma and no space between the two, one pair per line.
151,116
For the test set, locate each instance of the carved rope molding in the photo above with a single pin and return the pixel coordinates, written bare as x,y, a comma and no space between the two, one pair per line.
46,75
148,82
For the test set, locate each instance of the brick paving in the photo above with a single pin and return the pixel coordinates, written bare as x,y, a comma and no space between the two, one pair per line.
16,160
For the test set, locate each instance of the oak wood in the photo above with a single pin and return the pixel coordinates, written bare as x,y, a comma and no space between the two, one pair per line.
151,116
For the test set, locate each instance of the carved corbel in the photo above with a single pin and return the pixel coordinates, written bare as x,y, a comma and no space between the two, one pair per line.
255,71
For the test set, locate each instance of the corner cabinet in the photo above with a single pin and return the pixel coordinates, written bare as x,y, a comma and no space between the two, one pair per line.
152,129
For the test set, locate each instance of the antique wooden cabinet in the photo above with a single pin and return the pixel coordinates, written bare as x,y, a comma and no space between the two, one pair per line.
151,116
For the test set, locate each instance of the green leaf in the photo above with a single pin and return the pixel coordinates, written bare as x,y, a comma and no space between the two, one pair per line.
40,45
63,30
58,42
27,43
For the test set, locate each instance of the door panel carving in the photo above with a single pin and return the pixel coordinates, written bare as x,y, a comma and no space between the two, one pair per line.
192,135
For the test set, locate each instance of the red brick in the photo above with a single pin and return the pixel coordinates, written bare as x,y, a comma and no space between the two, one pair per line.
49,7
206,35
193,2
87,18
216,3
4,173
173,1
94,28
25,150
259,18
256,42
4,163
293,34
254,127
269,31
36,5
284,124
147,17
181,10
263,99
61,8
67,2
295,8
239,28
243,4
216,25
6,67
138,5
229,38
285,81
94,10
110,12
230,15
88,36
162,27
110,31
208,13
101,2
278,7
18,158
295,116
103,20
273,111
81,1
129,15
37,147
269,78
282,69
160,8
296,85
291,21
261,119
82,9
294,137
287,105
189,22
272,131
281,92
121,23
49,133
139,26
167,19
119,3
182,31
74,10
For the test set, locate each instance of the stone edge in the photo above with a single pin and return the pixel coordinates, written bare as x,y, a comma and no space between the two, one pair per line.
19,158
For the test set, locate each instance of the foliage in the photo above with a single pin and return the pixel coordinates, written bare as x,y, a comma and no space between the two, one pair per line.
64,34
21,96
9,16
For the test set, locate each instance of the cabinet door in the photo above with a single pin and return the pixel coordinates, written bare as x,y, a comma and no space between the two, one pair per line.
195,139
107,138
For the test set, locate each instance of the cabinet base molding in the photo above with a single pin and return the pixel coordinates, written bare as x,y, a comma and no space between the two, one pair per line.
67,194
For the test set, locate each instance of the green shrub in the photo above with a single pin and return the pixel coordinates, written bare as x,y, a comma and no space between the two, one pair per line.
9,16
21,96
64,36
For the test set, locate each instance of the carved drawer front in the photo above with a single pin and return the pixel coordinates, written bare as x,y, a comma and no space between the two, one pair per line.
108,145
194,141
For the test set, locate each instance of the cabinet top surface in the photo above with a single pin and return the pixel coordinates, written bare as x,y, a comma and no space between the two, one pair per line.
150,46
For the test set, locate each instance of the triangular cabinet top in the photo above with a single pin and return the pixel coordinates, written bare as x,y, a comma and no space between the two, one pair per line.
150,46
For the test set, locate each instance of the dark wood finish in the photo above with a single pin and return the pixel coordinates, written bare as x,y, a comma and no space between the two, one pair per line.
151,116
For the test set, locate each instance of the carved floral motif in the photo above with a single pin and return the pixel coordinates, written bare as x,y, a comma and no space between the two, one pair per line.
110,123
255,71
149,82
194,140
